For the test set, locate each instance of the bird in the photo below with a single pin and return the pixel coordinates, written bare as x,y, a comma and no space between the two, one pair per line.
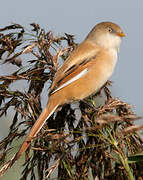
83,73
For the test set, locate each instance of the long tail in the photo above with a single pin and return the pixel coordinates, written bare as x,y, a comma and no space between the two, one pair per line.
47,112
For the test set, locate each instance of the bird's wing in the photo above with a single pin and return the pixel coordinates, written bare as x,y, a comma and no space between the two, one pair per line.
75,66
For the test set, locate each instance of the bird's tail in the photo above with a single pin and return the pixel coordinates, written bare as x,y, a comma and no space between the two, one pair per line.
47,112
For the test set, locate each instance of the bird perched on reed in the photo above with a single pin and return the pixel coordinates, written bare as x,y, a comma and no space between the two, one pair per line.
84,72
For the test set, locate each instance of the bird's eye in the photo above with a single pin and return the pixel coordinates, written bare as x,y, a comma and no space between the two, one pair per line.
110,29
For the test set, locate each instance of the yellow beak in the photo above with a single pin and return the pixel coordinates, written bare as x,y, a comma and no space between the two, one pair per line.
121,34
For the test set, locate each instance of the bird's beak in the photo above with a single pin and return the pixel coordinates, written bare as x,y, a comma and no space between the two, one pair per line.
121,34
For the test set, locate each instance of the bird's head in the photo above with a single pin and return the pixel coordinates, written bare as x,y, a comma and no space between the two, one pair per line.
107,35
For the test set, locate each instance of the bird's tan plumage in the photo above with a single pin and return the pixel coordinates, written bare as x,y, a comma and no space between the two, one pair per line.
83,73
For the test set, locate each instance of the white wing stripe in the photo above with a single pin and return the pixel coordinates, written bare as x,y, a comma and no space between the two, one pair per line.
82,73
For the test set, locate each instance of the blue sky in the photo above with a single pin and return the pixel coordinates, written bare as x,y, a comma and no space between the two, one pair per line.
78,17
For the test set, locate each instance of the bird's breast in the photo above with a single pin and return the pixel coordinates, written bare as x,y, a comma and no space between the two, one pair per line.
113,54
107,65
